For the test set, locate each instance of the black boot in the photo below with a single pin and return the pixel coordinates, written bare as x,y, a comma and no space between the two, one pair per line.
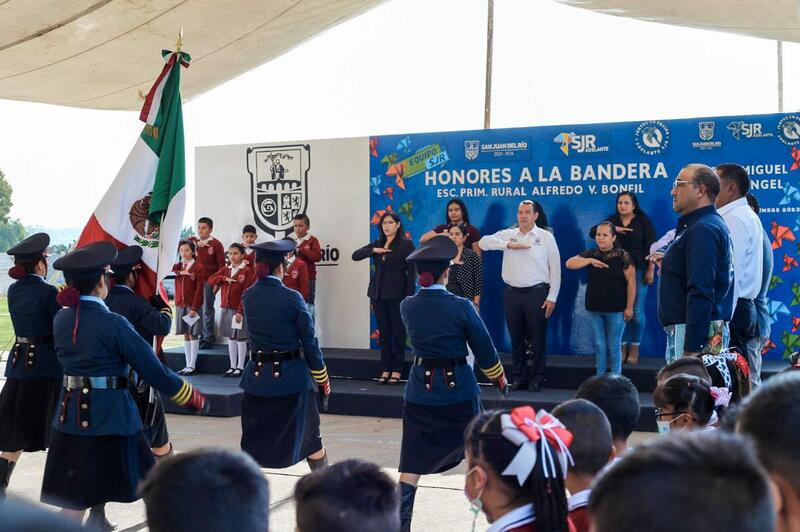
6,468
318,463
407,494
97,519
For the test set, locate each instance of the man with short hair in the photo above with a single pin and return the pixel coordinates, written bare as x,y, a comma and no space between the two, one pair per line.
695,294
211,256
691,482
206,490
532,274
591,449
349,495
771,417
746,237
618,398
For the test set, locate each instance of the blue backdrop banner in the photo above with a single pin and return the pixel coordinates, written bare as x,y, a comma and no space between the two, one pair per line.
575,173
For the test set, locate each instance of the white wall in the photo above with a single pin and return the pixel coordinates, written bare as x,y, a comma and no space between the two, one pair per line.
338,205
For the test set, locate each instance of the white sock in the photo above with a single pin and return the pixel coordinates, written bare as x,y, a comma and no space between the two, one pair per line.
194,347
187,351
232,352
242,348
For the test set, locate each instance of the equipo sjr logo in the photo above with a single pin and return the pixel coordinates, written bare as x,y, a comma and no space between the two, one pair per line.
652,137
789,130
278,185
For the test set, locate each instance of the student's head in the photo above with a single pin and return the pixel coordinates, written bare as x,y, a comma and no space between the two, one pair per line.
592,447
697,186
186,248
458,234
236,253
683,402
493,440
686,365
627,204
249,235
605,235
349,495
456,213
526,215
734,183
17,515
301,225
692,482
771,417
204,227
618,398
389,226
206,490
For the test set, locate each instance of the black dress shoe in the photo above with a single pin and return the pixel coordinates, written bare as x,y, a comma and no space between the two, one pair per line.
228,373
205,344
519,385
535,387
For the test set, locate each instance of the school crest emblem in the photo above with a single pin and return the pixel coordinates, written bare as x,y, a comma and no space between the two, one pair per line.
471,149
278,185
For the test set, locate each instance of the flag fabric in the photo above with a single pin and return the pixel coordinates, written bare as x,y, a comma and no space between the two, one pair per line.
146,201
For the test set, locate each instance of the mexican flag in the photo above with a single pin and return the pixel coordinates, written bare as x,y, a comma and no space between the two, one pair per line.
146,201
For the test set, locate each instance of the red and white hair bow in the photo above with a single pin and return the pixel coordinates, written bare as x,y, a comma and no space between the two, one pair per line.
722,396
526,428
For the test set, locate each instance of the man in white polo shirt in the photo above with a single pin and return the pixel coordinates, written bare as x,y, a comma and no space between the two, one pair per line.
532,273
746,235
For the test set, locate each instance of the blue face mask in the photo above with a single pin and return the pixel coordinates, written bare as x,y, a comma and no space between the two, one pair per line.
663,427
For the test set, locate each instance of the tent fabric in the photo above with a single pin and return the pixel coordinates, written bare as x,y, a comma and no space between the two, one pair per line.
101,54
768,19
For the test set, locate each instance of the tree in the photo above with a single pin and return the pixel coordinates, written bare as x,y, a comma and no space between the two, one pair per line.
11,231
186,232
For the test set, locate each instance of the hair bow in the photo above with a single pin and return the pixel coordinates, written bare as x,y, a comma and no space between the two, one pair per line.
721,395
526,428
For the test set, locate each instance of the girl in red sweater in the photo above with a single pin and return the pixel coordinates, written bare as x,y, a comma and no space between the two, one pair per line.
234,279
189,279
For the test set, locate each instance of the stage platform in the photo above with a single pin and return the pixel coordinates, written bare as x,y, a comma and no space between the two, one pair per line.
356,391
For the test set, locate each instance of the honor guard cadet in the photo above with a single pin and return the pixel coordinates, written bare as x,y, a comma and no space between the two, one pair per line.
98,453
441,396
33,373
280,419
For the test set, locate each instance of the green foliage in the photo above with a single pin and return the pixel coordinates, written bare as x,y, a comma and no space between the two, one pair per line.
186,232
11,231
61,249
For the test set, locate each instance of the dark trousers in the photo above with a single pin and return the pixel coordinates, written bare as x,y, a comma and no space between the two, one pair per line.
526,323
744,325
392,333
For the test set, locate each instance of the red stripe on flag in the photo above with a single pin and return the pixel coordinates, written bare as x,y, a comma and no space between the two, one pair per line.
148,101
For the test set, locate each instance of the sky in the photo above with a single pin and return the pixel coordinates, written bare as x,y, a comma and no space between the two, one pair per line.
410,66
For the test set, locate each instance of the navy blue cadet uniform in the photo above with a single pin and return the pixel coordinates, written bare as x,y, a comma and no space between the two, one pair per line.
98,453
441,396
33,373
147,320
280,419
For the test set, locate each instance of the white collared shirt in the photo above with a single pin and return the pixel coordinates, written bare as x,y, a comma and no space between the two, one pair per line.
235,269
187,265
514,519
746,230
579,500
95,299
297,239
540,263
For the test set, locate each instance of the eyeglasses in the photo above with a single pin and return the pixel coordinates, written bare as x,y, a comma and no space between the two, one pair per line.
660,414
681,182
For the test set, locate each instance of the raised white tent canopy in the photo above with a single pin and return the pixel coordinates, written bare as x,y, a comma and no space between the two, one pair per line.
769,19
100,53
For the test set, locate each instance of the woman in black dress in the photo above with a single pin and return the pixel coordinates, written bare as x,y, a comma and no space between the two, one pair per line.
33,373
466,269
392,280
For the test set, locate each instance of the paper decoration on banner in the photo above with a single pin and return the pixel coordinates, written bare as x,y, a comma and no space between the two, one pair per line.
769,346
774,281
375,335
375,183
791,343
790,194
779,234
404,145
408,235
407,210
373,146
774,308
376,216
389,191
795,294
795,159
789,262
397,170
797,224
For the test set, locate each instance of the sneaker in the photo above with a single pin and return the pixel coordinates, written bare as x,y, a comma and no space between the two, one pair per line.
228,373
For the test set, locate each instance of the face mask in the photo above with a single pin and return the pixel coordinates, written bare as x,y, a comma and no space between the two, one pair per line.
663,427
475,505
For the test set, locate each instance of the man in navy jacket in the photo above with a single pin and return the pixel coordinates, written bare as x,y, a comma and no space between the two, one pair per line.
695,293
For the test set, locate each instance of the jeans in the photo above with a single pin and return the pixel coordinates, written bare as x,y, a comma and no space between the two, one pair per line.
754,347
208,313
635,327
607,329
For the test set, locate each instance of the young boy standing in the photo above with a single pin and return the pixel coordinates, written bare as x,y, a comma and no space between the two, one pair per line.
211,256
309,251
